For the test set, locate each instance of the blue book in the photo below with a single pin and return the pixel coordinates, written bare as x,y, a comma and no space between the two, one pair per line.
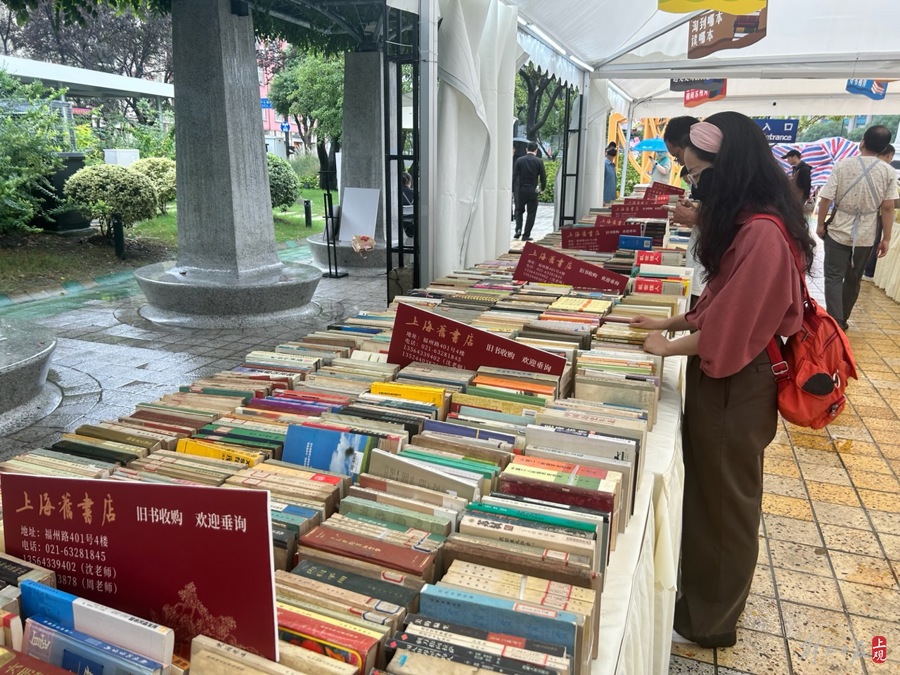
81,653
127,631
631,242
468,432
502,615
332,450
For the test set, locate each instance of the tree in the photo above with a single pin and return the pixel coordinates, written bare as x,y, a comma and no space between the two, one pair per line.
311,90
539,97
29,139
122,43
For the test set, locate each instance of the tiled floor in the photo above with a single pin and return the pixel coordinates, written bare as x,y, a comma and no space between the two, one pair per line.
827,576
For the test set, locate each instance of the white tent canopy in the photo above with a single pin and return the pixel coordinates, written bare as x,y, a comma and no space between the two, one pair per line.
811,48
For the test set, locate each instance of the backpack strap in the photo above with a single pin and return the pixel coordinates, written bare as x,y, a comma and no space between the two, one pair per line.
773,348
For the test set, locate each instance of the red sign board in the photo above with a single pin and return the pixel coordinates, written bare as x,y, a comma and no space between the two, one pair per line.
419,335
714,31
603,239
545,265
695,97
639,209
196,559
648,258
607,220
643,285
665,188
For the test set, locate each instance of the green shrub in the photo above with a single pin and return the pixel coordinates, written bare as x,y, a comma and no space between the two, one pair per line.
306,166
548,195
29,140
284,186
106,190
161,172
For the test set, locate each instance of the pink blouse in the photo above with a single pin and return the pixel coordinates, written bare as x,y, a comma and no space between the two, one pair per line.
755,295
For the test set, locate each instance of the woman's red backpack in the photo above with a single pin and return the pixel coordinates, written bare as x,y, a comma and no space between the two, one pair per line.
813,366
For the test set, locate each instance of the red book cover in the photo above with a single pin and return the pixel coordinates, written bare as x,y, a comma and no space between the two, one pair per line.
603,238
541,264
166,418
420,335
554,492
644,285
335,642
19,664
370,550
196,559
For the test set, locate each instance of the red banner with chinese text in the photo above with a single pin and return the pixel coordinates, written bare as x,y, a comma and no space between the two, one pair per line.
544,265
603,239
419,335
196,559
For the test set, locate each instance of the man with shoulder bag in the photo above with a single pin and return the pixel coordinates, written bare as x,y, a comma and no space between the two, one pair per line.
858,187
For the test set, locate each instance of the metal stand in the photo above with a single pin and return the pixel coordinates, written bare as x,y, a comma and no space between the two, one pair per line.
331,244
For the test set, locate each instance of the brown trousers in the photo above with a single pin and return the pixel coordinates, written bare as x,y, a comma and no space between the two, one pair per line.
727,424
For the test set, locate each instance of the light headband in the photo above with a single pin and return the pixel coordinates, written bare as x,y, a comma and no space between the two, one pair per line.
706,137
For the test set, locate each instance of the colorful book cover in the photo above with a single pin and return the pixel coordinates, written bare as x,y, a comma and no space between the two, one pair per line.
328,449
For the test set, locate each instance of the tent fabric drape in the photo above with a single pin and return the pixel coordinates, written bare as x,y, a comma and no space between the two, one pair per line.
547,60
476,67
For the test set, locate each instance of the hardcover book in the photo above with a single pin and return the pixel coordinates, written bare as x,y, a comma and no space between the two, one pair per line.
340,452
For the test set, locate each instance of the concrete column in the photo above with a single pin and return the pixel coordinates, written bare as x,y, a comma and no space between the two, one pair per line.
362,139
225,226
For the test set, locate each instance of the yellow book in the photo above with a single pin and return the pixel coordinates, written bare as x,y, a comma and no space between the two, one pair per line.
189,446
433,395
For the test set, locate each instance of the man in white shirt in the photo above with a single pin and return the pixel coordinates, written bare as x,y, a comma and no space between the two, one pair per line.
858,187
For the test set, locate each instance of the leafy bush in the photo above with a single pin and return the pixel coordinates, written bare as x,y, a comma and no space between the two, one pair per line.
307,169
29,140
161,171
106,190
284,186
87,142
548,195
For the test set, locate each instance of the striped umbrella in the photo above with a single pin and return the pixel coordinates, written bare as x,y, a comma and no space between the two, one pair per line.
821,155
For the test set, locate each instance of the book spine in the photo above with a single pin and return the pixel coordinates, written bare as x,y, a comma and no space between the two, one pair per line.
516,534
355,582
559,664
420,644
552,492
362,548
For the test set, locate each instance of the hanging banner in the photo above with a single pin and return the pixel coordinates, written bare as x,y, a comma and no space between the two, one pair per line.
688,85
695,97
715,31
730,6
874,89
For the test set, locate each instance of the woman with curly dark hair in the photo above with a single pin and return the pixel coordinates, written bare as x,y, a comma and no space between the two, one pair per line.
752,293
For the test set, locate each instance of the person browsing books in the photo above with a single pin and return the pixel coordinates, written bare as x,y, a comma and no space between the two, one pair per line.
753,292
698,154
675,137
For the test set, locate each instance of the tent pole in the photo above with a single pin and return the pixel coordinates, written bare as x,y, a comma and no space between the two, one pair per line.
625,154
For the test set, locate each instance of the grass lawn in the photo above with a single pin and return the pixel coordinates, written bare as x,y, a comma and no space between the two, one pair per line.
41,260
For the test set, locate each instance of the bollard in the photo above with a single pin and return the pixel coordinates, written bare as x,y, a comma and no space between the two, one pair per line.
119,236
307,212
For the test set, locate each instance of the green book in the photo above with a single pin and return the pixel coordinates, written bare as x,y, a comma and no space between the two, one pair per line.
535,517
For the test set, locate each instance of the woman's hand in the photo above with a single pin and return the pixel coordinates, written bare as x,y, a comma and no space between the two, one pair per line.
656,343
647,323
